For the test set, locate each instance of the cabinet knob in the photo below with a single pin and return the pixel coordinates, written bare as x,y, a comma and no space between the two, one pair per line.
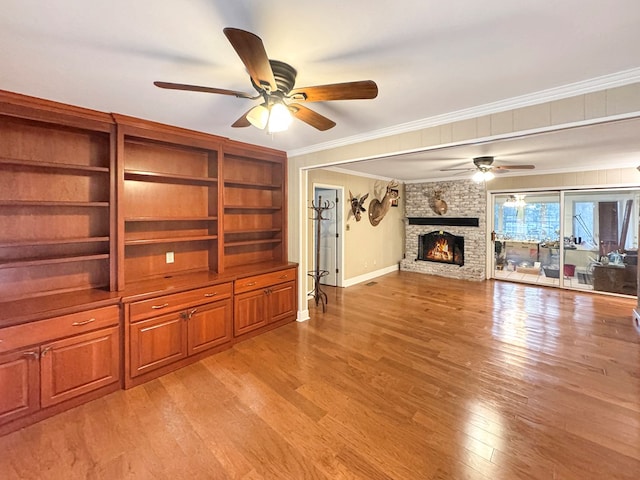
208,295
158,307
79,324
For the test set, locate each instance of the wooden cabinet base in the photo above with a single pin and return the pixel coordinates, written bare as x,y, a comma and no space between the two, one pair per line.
130,382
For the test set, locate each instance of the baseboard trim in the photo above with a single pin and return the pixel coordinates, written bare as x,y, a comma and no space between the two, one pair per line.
348,282
303,315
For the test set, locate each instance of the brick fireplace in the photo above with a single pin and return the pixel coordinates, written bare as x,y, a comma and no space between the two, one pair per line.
465,218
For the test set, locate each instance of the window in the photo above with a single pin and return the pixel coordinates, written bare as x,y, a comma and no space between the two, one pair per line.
536,218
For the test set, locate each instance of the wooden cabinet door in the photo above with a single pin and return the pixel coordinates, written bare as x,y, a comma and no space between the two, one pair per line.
209,325
282,301
19,384
157,342
250,311
79,364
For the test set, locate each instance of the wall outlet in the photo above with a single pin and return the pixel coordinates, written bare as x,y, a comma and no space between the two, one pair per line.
170,257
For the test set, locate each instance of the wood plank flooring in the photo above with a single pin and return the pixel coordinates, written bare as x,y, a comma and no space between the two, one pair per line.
413,377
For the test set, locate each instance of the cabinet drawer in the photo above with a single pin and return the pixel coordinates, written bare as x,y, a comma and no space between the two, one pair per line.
42,331
176,301
266,279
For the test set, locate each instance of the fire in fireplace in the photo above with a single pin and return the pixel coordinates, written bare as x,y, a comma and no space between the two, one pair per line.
442,247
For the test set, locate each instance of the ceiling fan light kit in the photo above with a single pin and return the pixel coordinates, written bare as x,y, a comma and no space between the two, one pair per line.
274,117
483,176
274,82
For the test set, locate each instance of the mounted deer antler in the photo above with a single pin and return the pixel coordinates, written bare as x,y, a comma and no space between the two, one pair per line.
356,205
379,208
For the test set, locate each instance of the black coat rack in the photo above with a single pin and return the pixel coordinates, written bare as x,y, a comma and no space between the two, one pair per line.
319,295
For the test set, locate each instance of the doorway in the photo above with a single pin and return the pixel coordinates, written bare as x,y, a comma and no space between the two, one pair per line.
330,240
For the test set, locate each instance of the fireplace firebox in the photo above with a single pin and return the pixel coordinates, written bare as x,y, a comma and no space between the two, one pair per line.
442,247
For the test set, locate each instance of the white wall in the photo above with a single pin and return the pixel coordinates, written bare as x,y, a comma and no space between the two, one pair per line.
367,249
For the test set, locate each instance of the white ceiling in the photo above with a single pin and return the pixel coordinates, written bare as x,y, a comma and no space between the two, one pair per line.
613,144
429,58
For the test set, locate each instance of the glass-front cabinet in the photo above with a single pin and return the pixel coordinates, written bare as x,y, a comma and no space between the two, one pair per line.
577,239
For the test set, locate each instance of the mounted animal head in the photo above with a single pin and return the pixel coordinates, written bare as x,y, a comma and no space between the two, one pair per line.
438,205
379,208
357,205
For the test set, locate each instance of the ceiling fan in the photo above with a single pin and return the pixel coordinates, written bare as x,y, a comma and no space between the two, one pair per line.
484,168
274,83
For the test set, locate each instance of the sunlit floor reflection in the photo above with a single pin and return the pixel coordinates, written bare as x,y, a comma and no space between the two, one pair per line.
541,279
526,317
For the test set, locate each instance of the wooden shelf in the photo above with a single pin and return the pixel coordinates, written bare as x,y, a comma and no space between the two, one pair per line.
65,167
152,241
252,207
167,178
57,199
253,242
30,262
53,241
252,231
170,219
39,203
245,184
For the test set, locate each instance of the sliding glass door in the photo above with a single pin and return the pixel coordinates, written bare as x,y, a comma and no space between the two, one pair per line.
527,237
577,239
601,240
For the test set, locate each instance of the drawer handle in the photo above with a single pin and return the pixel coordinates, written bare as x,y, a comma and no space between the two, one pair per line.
79,324
45,351
284,276
192,312
32,354
208,295
158,307
250,284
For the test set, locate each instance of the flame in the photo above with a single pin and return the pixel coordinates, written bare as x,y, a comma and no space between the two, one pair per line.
440,251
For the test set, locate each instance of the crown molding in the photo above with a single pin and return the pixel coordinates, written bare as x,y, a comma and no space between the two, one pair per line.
353,173
604,82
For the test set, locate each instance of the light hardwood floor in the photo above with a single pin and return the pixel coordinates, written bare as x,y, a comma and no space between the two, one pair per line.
413,377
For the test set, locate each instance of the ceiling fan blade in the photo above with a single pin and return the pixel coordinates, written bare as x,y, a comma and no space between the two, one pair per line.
196,88
362,90
243,121
457,169
310,117
514,167
251,51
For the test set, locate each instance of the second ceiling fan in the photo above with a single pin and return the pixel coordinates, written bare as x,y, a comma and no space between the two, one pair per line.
484,168
274,82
